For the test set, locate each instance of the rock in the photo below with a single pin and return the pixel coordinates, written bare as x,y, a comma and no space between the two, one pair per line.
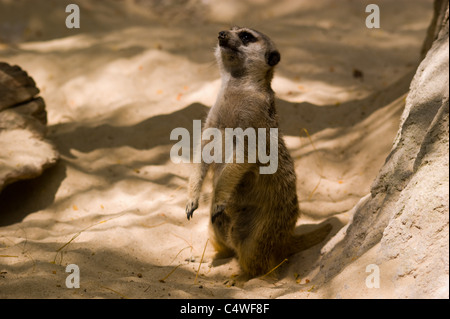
25,152
15,86
35,108
438,22
402,225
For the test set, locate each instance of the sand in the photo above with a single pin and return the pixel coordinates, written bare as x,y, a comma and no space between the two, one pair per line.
117,87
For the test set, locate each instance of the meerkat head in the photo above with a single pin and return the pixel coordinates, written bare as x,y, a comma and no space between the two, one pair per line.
244,52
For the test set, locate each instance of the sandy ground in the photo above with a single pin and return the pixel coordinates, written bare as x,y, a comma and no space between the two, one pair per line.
115,89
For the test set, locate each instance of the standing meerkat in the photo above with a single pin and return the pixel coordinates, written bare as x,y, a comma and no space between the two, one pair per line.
253,215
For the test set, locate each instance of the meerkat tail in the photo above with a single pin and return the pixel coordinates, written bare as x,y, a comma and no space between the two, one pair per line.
305,241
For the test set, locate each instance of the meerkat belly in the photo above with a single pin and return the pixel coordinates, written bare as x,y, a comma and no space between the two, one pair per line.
261,206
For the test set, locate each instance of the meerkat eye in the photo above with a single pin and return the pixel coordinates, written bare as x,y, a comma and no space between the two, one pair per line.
247,37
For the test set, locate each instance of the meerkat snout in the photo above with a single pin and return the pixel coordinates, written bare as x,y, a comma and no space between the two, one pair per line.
222,35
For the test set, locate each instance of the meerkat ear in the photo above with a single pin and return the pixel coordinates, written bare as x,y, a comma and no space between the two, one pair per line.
273,58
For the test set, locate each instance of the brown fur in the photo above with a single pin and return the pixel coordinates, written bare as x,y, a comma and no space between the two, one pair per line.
253,215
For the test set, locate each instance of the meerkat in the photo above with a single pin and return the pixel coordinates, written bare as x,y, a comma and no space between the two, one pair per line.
253,215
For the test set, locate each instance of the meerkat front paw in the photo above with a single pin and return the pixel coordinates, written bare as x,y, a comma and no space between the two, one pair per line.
191,206
217,210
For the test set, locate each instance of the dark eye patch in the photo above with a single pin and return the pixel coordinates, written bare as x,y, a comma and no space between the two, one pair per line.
247,37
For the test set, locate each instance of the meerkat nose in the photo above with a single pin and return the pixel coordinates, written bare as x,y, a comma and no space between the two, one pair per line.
223,35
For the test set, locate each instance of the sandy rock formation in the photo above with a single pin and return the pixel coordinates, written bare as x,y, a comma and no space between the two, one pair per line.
402,226
24,152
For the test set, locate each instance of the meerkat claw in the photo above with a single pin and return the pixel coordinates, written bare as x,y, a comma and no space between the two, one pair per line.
191,206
